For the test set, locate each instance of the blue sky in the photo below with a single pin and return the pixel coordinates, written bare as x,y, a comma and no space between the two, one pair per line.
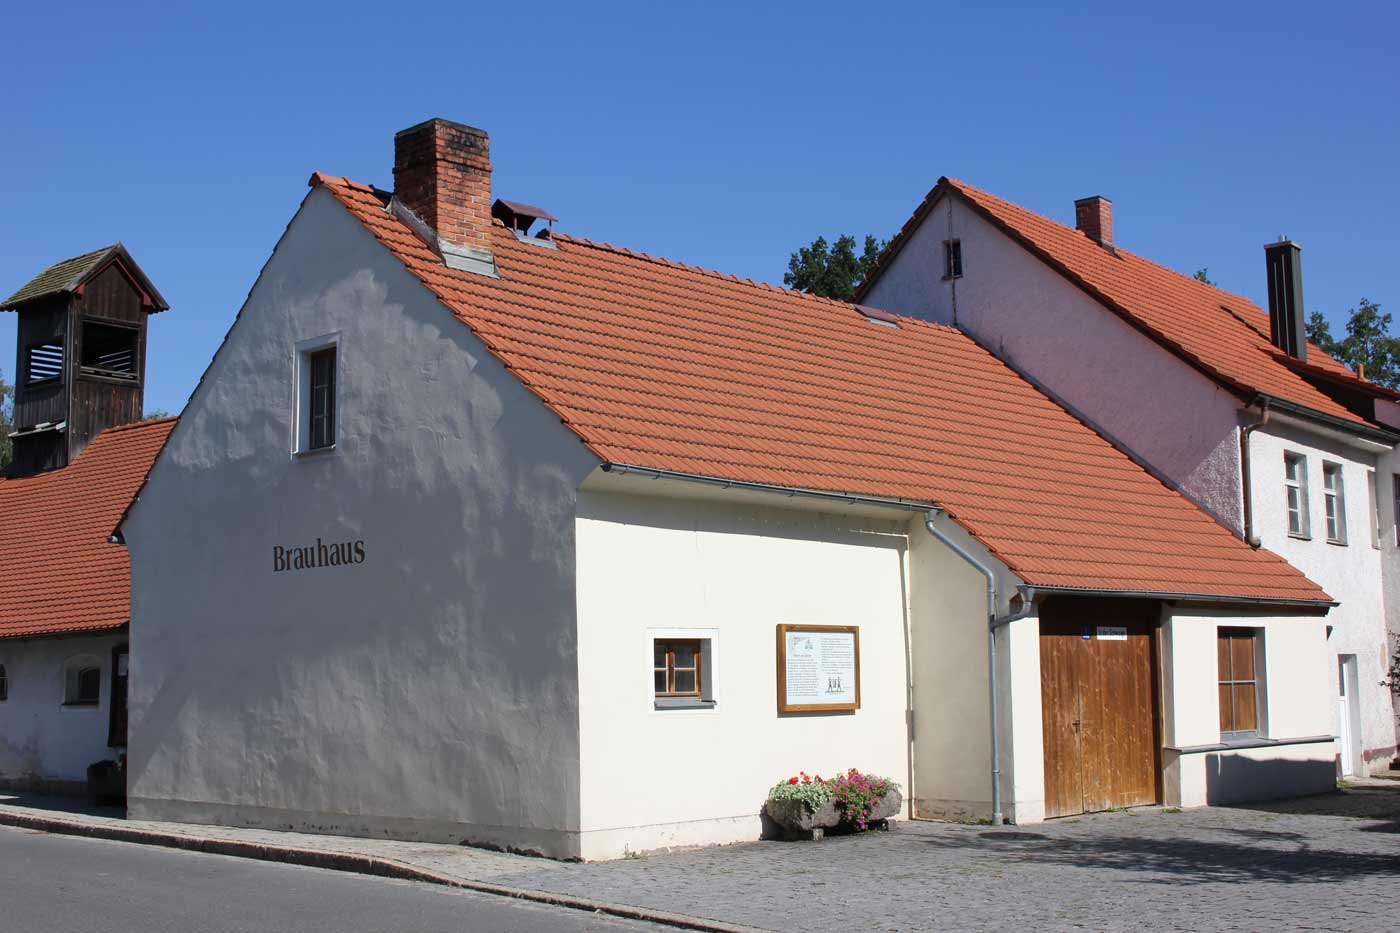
717,134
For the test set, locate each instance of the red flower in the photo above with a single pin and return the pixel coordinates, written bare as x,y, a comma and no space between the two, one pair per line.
792,780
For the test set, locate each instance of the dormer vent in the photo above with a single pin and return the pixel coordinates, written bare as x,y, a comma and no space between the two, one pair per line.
519,218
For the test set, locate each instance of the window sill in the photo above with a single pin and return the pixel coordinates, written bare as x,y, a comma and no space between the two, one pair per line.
667,703
313,452
1230,745
951,278
1297,537
93,705
1336,543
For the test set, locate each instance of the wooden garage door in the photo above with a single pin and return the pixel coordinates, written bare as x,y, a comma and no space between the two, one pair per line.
1098,682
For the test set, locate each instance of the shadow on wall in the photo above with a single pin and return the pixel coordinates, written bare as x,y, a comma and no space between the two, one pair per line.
1236,779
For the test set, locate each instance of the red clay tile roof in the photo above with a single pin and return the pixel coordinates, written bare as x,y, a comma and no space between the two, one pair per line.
665,366
1224,335
58,572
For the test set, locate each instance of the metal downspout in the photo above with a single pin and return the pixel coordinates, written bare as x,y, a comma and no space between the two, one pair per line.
993,623
1246,479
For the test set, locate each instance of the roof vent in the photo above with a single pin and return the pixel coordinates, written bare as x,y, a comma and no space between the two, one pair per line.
518,218
876,316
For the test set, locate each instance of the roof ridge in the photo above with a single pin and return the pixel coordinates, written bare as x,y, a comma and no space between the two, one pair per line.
143,423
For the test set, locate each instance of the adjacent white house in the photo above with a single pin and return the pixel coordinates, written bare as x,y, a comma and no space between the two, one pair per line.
475,533
64,583
1225,401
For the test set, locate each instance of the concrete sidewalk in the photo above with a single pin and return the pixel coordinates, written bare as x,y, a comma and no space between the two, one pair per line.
455,866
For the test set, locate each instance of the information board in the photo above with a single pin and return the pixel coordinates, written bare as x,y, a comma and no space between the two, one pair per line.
818,668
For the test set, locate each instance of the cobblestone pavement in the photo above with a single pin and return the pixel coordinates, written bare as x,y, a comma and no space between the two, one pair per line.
1322,863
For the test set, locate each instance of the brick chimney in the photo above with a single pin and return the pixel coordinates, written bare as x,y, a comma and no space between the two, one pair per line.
1094,217
442,174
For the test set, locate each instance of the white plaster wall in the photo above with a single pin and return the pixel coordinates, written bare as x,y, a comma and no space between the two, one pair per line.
652,778
1387,471
43,743
1130,388
1022,731
429,692
1296,704
1351,573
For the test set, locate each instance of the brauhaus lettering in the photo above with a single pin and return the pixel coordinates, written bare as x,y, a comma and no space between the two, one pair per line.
319,554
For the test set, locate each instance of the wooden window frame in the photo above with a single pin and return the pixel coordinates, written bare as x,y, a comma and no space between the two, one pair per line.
133,377
1334,503
952,260
1298,483
669,668
56,379
1228,679
1373,495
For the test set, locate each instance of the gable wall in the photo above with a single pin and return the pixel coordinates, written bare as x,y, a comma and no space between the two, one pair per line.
1106,371
427,692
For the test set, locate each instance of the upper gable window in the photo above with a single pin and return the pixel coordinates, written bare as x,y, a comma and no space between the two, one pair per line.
952,259
110,350
316,414
44,363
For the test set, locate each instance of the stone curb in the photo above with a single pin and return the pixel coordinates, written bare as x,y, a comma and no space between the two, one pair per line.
359,864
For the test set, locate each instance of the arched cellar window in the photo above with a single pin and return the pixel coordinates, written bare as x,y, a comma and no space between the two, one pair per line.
82,681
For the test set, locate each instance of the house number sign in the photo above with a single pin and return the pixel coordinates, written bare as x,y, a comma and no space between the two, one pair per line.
818,668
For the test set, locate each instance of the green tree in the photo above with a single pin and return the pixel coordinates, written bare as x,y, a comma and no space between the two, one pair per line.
7,413
153,415
1203,275
832,271
1368,342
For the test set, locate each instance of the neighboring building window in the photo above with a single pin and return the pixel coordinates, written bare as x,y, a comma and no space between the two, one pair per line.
316,395
952,259
1295,479
1334,498
1395,482
110,350
1374,500
1239,686
82,683
4,685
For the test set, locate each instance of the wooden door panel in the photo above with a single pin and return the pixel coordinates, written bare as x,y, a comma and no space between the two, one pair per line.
1064,783
1099,703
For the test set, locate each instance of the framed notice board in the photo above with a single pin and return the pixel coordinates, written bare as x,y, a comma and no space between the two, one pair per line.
818,668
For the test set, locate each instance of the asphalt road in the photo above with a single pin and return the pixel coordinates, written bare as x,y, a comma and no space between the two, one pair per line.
65,883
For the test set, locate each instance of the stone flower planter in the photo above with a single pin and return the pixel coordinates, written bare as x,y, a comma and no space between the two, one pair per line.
797,823
889,806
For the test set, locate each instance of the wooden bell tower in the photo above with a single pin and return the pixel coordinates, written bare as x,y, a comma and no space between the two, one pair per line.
81,355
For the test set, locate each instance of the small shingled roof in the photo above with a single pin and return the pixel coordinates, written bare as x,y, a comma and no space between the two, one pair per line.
65,277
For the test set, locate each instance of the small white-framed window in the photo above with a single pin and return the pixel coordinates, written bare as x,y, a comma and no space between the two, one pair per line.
1374,501
1295,483
82,682
1335,502
317,412
683,668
